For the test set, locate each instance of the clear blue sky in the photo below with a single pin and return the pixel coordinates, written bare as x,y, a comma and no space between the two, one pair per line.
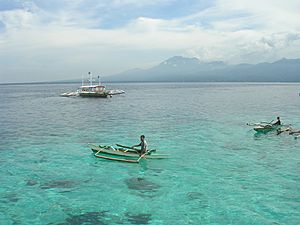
63,39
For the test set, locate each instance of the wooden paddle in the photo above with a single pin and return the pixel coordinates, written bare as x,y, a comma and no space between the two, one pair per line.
142,156
97,152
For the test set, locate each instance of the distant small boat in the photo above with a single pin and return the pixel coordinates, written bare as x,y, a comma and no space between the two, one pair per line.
266,128
271,127
70,94
116,92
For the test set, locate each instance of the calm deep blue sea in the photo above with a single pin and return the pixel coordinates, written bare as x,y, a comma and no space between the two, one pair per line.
219,170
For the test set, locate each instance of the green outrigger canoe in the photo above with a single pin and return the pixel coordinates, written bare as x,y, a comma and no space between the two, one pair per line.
123,153
265,128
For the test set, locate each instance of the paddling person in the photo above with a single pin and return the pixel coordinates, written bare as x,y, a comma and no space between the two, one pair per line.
278,122
143,145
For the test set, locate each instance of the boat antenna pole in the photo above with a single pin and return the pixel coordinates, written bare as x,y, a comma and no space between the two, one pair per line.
90,79
99,80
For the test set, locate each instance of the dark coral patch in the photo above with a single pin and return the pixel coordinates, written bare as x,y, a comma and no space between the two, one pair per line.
141,184
31,182
198,199
141,218
9,197
194,195
58,184
89,218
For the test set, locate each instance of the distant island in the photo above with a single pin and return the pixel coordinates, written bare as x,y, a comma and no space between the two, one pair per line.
182,69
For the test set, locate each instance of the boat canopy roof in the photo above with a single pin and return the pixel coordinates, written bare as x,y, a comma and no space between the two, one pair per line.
92,86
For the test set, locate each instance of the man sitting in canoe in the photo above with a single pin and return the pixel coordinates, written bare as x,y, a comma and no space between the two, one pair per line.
278,122
143,145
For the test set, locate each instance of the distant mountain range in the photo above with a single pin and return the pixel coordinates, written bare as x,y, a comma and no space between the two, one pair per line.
183,69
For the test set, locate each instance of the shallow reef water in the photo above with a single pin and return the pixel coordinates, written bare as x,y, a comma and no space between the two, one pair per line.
219,170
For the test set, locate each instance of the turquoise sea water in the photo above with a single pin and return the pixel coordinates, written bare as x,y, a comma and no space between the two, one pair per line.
219,171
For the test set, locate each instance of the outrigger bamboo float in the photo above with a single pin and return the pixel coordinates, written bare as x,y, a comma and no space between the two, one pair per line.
123,153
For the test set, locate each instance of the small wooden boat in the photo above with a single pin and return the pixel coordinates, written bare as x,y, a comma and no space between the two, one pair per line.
127,154
121,148
262,128
116,92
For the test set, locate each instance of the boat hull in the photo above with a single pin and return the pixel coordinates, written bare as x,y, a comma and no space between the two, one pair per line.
93,95
266,128
117,159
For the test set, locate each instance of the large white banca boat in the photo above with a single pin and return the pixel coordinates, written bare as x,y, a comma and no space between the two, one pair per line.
93,90
88,89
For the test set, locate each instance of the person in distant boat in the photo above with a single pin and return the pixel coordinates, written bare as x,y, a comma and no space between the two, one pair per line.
278,122
143,145
294,132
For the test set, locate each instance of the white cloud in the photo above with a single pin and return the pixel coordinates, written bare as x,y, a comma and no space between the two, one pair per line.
139,2
17,19
272,15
